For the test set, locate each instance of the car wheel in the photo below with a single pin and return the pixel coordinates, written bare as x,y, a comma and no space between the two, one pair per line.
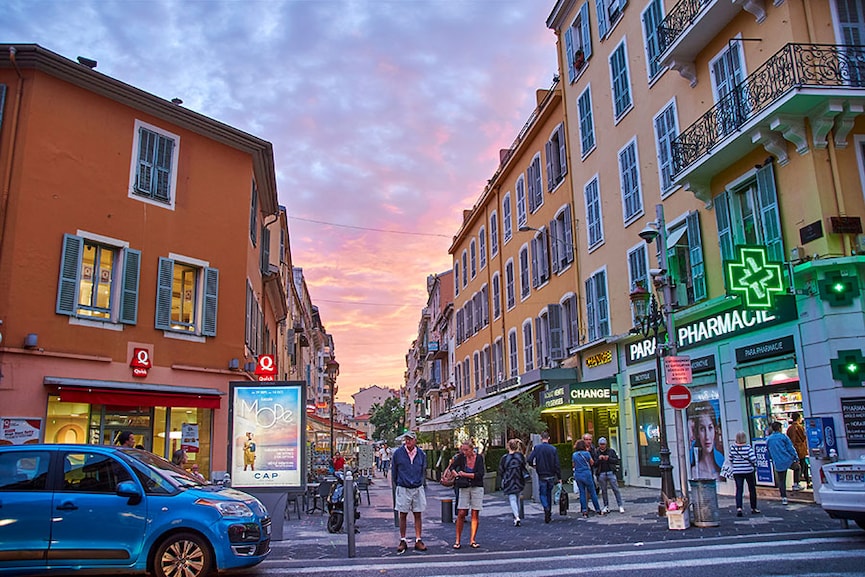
182,555
334,522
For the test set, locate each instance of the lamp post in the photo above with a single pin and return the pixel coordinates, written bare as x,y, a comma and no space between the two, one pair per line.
332,370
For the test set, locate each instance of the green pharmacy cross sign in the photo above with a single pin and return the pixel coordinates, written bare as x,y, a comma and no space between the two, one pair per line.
849,368
754,278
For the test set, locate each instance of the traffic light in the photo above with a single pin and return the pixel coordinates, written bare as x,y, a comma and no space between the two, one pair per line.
838,290
849,368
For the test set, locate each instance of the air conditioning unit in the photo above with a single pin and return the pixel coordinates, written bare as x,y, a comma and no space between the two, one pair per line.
797,253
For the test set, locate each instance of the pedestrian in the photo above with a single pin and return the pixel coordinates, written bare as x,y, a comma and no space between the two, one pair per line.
783,455
408,479
587,438
179,458
513,475
796,432
338,462
469,467
126,439
197,473
386,457
744,463
583,465
545,459
607,464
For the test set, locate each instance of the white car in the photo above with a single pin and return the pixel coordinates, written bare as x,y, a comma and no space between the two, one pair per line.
842,490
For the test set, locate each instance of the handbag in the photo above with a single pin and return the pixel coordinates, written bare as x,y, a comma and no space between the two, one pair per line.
727,469
448,477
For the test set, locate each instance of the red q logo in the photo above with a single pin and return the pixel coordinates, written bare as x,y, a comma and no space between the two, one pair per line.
266,365
140,359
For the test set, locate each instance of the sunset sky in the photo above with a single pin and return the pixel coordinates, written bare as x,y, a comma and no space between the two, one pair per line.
386,118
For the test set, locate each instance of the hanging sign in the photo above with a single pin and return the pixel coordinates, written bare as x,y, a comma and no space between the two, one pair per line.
266,368
140,362
754,278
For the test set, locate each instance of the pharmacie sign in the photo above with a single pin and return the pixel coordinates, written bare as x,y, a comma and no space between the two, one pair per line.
725,324
598,392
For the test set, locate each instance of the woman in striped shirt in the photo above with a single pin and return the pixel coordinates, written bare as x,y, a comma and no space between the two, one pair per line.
744,463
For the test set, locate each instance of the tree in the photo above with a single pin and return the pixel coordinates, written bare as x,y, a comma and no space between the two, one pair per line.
388,418
519,417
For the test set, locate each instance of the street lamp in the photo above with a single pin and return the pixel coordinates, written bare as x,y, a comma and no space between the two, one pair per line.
332,370
651,318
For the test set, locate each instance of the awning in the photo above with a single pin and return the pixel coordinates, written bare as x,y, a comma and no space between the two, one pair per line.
471,408
129,394
674,237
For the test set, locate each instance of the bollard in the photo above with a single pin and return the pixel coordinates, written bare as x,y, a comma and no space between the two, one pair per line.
447,510
522,510
348,511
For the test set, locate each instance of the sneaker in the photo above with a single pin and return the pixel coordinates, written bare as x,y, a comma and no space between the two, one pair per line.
402,547
585,514
738,512
516,522
784,500
755,511
621,509
548,516
605,510
796,487
419,546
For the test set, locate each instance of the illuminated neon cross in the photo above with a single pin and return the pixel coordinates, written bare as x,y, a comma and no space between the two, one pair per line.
754,278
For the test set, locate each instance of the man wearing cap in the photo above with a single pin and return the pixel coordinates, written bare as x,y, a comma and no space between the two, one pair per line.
408,465
606,463
545,459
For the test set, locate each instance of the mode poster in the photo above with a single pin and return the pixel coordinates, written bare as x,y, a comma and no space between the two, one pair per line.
267,434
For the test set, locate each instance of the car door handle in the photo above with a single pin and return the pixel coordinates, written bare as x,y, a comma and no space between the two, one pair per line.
67,506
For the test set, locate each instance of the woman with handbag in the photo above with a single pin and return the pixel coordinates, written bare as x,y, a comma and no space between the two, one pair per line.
513,473
743,461
469,467
583,462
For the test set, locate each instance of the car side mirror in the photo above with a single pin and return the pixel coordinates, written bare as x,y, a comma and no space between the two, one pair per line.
131,491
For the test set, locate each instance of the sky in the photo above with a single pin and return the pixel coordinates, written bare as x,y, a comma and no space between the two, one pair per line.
386,119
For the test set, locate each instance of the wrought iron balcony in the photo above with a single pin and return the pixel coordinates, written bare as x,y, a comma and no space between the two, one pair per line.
794,67
680,17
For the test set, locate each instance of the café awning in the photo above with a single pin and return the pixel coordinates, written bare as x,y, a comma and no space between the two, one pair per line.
131,394
471,408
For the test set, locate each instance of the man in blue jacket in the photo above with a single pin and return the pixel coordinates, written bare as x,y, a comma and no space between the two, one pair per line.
408,466
783,455
545,459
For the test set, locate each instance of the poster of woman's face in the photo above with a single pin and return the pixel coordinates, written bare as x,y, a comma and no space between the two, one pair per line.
705,440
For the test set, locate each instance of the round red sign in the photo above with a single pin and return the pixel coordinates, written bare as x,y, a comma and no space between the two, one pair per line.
679,396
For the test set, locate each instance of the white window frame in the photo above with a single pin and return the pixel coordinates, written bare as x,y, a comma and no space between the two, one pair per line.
133,170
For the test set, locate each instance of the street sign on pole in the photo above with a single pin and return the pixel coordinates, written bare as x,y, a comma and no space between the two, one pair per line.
679,397
677,370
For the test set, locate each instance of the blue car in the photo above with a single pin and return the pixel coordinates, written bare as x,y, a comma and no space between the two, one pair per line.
99,509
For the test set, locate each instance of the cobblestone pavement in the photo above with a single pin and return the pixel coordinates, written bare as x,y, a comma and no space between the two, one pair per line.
307,538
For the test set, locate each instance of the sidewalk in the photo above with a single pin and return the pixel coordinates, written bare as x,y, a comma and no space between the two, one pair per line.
307,538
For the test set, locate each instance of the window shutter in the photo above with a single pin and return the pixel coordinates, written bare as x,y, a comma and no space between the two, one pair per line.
695,245
264,254
725,232
146,146
603,18
590,309
585,31
548,153
569,51
535,270
540,357
2,102
557,349
129,290
603,311
563,151
70,275
165,148
568,236
211,298
531,188
768,200
555,234
164,281
253,215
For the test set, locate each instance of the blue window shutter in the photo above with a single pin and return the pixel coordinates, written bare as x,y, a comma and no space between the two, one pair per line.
146,146
767,198
563,152
129,290
2,102
695,244
536,277
70,274
557,349
591,321
725,232
211,299
555,235
603,307
165,278
264,255
568,237
164,152
548,155
603,18
585,31
569,51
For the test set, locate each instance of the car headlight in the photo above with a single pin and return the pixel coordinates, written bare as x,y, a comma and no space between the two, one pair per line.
227,508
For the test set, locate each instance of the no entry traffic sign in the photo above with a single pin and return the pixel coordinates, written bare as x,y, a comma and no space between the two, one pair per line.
679,397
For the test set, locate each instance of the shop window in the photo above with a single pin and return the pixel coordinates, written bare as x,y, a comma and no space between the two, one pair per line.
648,435
772,396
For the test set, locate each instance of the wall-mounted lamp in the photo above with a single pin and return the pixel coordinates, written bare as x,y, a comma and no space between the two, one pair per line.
233,364
31,341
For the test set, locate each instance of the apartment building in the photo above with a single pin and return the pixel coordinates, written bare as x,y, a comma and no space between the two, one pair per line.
139,275
743,122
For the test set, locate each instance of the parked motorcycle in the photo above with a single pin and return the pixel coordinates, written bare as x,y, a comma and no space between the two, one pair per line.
336,502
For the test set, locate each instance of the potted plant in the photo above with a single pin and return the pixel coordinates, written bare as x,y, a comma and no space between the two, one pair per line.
579,59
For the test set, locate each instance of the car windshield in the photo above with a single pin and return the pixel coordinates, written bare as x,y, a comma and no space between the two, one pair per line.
155,472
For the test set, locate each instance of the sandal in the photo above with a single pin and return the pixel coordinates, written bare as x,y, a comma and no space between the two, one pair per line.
475,545
457,545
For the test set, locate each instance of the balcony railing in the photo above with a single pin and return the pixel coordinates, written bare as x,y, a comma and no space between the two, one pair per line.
794,66
677,21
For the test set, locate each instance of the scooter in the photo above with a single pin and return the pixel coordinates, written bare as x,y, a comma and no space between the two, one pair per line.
336,501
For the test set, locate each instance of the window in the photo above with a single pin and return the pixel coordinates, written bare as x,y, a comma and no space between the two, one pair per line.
747,213
536,191
521,201
727,71
24,470
540,259
528,344
524,273
555,332
609,12
482,247
456,277
497,295
510,293
458,375
470,317
264,253
254,321
473,251
512,353
186,296
578,43
542,347
486,361
507,224
653,15
850,15
638,271
685,260
570,323
597,313
253,215
477,361
98,279
154,173
587,122
621,81
92,473
561,240
498,361
465,268
466,377
557,157
629,176
594,224
494,234
485,304
666,130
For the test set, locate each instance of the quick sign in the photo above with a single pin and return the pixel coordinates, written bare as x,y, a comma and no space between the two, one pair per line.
140,362
266,368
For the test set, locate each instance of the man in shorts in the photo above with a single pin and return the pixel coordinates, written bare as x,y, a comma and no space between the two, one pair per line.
408,464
